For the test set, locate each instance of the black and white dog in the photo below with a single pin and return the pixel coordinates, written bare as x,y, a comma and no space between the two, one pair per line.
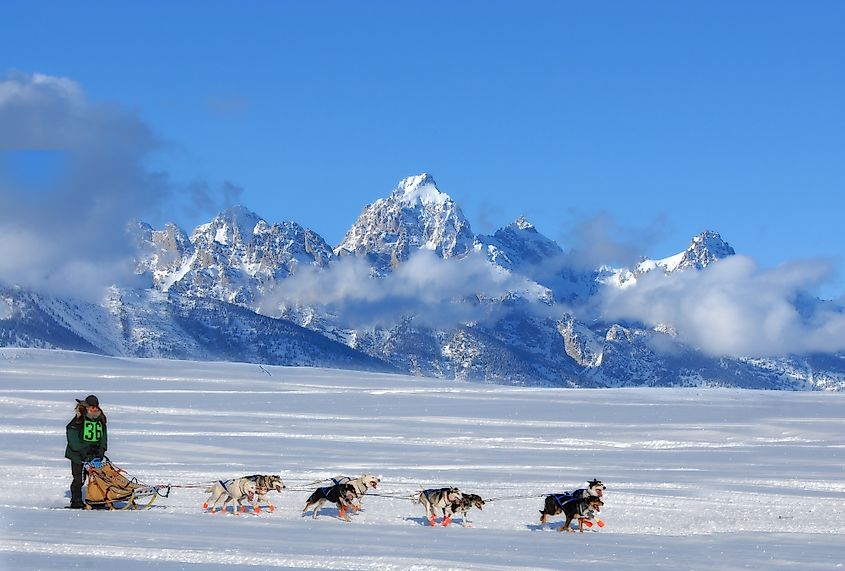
340,494
582,509
554,502
361,485
462,506
438,498
263,485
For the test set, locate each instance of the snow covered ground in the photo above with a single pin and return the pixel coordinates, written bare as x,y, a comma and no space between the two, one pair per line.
697,479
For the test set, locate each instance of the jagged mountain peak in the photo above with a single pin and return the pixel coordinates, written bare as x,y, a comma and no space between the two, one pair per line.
521,223
519,247
517,244
416,215
234,224
420,189
711,244
704,249
238,212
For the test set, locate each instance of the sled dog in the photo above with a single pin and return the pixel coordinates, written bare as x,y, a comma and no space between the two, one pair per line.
462,506
582,509
438,498
339,494
228,490
361,485
554,502
263,485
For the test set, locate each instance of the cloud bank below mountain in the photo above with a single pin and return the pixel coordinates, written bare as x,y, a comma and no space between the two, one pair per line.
436,292
735,308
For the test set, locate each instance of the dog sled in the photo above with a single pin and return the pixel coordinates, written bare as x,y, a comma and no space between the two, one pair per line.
111,487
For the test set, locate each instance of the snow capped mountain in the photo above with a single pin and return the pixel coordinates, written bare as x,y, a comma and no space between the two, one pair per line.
704,249
521,248
415,216
235,257
205,288
517,246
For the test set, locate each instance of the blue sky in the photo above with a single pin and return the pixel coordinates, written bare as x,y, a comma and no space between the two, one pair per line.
658,119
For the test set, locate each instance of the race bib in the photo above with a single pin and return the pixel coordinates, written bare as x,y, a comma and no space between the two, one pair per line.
92,431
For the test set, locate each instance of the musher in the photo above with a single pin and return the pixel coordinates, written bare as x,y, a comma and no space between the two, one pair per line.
86,440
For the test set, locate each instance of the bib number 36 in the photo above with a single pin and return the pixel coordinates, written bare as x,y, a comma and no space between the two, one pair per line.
92,431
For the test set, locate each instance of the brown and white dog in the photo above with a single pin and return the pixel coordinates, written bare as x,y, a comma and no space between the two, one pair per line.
264,484
554,502
438,498
340,494
361,484
228,490
462,506
583,509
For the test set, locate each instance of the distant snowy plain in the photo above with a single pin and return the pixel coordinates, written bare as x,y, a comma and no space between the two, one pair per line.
697,478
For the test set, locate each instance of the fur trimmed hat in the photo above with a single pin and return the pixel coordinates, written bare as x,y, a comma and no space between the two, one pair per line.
90,400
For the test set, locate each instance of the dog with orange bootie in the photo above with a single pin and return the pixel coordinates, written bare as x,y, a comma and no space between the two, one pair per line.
581,510
236,490
438,498
340,494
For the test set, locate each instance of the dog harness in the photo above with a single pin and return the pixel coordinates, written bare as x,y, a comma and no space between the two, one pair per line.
557,498
228,491
428,499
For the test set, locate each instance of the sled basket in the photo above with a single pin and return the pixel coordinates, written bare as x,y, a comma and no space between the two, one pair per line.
111,487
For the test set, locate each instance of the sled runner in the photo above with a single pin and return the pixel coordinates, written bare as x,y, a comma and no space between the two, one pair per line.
111,487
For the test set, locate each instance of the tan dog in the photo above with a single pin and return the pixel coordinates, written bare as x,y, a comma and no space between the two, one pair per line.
438,498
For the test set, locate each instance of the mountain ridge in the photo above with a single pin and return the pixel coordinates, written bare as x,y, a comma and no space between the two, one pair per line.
206,289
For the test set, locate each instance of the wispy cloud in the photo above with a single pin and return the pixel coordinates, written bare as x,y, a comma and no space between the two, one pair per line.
66,233
735,308
602,240
436,292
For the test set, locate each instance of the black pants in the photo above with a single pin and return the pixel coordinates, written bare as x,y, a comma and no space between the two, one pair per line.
76,485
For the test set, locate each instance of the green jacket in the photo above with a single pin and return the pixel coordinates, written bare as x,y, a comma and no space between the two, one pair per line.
86,439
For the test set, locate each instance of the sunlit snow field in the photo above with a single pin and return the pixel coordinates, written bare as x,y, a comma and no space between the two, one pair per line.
697,478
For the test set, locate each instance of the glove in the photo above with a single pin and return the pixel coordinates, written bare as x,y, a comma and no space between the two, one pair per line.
96,463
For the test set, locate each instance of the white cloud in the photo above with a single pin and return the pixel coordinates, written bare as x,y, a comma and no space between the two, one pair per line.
437,292
66,234
733,307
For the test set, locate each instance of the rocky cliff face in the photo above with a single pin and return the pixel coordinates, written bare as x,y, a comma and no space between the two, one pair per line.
235,258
